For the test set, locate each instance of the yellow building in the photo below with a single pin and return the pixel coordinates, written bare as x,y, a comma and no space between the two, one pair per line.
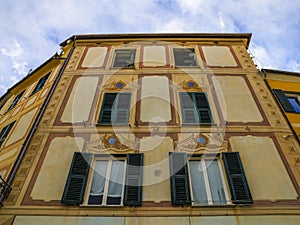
286,88
152,129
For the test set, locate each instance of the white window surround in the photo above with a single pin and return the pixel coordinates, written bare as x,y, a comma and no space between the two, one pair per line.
207,166
108,183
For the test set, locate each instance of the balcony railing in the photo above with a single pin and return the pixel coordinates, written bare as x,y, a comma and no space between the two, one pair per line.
5,189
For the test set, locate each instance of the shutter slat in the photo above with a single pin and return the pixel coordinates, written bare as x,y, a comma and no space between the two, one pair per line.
133,186
179,181
237,181
285,103
77,178
121,112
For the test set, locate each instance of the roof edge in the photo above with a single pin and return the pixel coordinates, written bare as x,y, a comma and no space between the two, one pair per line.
158,35
297,74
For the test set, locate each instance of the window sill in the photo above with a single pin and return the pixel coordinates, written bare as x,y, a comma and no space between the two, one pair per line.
101,206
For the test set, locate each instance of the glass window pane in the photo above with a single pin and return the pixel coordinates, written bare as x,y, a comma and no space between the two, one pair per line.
295,104
116,183
215,182
98,183
198,183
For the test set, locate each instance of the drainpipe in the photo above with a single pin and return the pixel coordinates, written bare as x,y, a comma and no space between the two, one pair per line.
7,188
283,112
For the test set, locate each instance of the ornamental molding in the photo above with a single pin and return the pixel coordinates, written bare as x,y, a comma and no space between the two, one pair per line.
202,143
111,143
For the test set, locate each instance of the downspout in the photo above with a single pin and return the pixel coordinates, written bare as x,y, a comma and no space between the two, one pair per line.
283,112
12,175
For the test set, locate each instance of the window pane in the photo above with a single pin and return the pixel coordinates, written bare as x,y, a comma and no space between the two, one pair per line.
185,57
215,182
198,183
124,58
116,183
98,183
295,104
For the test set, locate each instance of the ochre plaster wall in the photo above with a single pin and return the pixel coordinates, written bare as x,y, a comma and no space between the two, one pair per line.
54,171
197,220
154,56
21,127
266,174
95,57
218,56
155,99
79,105
238,105
156,183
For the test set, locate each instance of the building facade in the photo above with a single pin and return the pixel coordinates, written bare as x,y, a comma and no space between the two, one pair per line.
286,88
150,129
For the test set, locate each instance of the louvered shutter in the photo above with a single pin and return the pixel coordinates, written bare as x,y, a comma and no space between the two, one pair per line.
237,181
203,107
106,110
120,113
179,180
284,101
188,109
77,178
134,185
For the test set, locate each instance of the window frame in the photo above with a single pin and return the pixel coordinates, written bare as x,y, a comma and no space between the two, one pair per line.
202,159
110,159
283,98
113,108
16,100
40,84
185,50
131,51
5,132
196,110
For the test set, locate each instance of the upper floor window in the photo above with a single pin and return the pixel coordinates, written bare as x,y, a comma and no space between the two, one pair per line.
124,58
185,57
115,108
115,181
40,83
290,101
200,180
195,108
5,131
16,100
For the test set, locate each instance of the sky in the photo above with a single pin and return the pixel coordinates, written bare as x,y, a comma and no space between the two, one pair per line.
31,31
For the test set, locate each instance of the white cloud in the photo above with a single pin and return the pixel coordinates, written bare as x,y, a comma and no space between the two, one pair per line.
39,27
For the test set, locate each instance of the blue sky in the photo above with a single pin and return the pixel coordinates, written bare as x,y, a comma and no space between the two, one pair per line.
32,30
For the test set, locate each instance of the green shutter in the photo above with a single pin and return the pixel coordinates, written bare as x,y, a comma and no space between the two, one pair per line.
106,110
202,105
189,114
134,182
237,181
121,109
77,178
284,101
179,180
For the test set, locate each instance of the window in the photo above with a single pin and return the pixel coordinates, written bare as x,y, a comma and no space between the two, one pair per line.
5,131
185,57
40,84
108,182
290,101
15,101
115,181
124,58
199,180
115,108
195,108
207,182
